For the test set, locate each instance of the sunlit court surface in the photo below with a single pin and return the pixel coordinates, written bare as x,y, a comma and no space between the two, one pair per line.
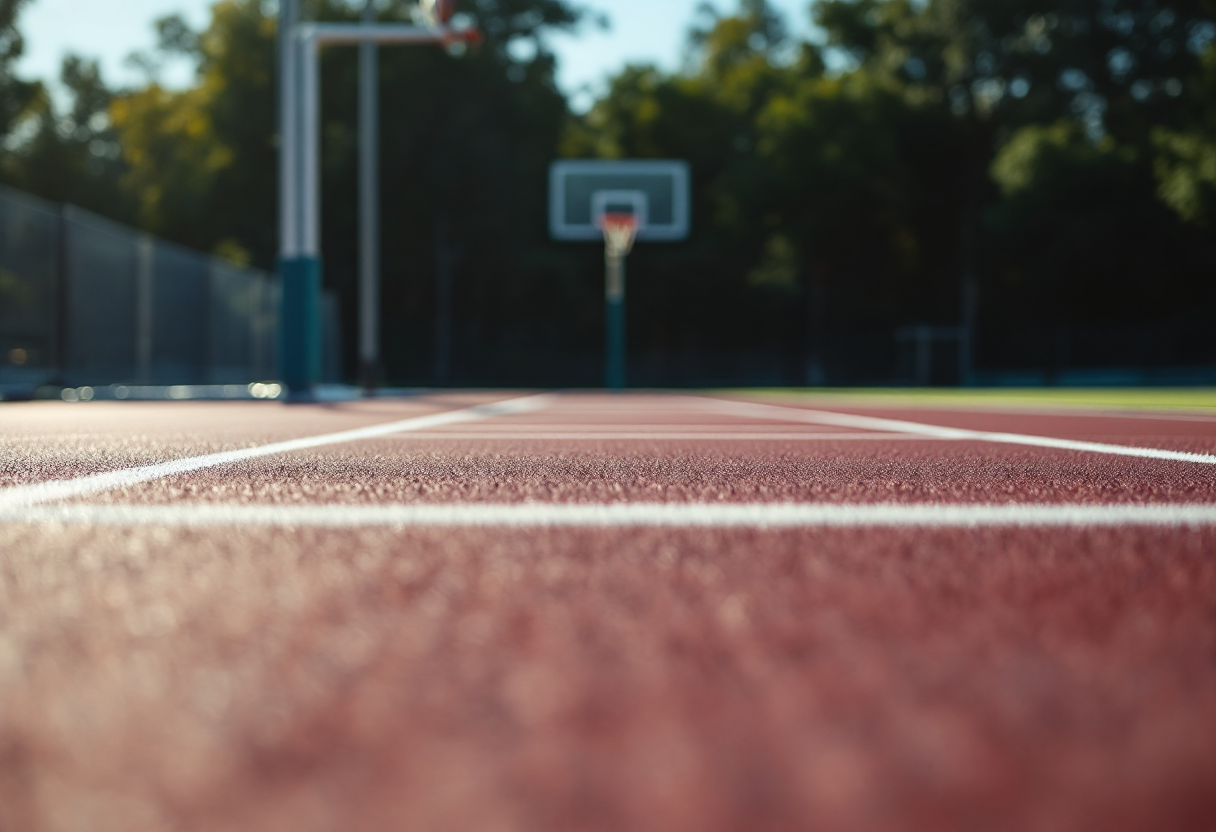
607,416
584,611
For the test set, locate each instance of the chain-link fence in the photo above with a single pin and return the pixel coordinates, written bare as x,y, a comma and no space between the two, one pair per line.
87,301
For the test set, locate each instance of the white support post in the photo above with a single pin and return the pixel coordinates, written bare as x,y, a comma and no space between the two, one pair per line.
298,353
369,208
289,133
614,320
310,172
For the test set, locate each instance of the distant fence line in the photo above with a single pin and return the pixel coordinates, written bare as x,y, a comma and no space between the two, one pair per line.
88,301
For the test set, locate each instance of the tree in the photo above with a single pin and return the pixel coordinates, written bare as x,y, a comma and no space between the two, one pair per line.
72,156
1123,70
869,189
1058,153
1118,65
16,95
1186,168
202,161
1186,158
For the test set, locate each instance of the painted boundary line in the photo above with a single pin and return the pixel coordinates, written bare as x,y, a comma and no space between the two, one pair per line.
1091,412
847,420
20,496
622,515
746,437
1074,410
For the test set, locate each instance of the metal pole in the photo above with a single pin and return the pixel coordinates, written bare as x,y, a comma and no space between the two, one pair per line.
369,213
443,298
614,305
63,289
289,245
966,342
924,355
300,267
143,314
216,326
299,350
310,114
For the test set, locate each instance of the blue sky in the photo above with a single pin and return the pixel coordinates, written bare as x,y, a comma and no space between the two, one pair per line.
642,31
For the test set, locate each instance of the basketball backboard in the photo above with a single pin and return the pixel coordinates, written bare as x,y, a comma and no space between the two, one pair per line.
582,191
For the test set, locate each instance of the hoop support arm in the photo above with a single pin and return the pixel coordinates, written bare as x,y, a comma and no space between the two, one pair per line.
324,34
310,37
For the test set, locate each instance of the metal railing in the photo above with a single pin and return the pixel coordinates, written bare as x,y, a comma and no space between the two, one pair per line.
88,301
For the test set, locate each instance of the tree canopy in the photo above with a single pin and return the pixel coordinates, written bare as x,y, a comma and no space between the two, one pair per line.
1042,173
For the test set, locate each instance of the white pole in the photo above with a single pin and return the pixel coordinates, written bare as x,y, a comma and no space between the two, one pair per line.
369,208
310,104
289,243
299,354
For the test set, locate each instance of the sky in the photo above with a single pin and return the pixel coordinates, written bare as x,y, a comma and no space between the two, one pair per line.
651,31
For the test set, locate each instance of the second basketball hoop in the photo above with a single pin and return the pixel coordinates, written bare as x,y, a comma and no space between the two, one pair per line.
622,202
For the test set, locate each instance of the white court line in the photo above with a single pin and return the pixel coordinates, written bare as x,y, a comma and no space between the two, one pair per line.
1079,411
508,426
613,515
19,496
657,435
847,420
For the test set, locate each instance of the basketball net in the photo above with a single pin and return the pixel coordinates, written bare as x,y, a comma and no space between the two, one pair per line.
620,230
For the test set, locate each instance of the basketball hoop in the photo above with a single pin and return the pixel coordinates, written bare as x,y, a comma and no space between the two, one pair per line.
620,230
438,12
621,200
462,37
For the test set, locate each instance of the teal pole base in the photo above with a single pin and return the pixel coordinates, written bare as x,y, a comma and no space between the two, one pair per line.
614,370
300,326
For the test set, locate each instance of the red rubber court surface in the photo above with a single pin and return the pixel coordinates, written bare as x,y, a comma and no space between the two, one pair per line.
499,612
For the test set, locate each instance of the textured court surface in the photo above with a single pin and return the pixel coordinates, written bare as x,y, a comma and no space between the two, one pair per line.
967,620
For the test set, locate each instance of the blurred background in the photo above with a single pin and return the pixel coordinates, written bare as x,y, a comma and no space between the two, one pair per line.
924,192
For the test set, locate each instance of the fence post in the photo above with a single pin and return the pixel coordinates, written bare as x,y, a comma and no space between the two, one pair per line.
253,322
257,357
924,355
215,321
143,310
59,303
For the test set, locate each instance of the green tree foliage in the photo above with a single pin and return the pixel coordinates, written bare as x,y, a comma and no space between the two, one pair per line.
202,162
887,191
1186,161
1118,64
74,155
66,153
1069,235
1056,156
16,95
1187,171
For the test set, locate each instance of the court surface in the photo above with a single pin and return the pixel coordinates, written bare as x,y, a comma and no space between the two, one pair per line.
505,611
